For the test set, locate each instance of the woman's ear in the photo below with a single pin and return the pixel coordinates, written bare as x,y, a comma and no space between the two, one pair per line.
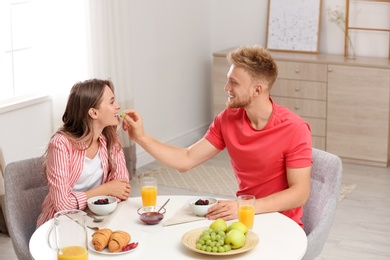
92,113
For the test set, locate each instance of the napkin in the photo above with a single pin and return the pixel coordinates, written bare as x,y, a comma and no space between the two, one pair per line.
107,218
183,215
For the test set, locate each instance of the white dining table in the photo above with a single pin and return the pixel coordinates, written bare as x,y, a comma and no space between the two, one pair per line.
279,236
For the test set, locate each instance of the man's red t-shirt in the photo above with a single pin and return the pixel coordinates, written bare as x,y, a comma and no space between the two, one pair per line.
260,157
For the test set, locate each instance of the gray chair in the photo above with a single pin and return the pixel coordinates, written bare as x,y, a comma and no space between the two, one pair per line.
319,210
25,190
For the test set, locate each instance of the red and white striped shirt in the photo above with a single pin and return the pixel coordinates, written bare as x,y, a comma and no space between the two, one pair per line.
64,166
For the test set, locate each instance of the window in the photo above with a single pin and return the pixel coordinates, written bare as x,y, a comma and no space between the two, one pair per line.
17,48
42,47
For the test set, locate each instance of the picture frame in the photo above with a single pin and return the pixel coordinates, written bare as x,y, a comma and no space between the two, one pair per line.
294,25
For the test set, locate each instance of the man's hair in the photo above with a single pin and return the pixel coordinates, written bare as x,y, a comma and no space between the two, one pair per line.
257,61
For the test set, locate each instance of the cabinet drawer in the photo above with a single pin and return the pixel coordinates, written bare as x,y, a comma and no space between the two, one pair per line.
302,71
299,89
317,125
303,107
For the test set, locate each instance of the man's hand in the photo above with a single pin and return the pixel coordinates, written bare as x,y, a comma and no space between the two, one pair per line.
132,123
225,209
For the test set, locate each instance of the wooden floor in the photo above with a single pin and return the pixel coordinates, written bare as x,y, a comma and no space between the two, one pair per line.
361,229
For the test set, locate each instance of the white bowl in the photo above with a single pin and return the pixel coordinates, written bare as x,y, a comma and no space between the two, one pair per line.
201,210
102,209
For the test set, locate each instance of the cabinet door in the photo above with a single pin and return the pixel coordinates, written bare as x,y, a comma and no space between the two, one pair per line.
358,113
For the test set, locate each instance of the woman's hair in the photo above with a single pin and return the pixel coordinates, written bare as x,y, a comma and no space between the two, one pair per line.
257,61
77,124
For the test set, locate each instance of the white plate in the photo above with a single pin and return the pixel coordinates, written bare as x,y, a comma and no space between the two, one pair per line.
189,241
106,252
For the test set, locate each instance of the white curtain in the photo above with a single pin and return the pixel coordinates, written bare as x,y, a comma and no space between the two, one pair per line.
110,56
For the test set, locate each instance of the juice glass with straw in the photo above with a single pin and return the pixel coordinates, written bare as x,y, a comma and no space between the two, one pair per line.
246,210
148,191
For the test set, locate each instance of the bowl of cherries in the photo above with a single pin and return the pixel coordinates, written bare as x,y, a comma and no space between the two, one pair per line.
102,205
200,206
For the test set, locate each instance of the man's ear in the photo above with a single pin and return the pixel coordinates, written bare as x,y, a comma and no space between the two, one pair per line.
92,113
258,89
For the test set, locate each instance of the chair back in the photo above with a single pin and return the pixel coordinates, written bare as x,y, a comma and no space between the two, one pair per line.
319,210
25,190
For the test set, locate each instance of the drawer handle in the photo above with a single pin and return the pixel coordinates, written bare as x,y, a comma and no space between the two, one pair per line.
296,107
297,71
330,70
297,89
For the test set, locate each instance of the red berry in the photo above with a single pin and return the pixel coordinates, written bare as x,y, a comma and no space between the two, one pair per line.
130,246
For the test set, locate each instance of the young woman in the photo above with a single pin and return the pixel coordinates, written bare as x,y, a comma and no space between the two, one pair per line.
84,157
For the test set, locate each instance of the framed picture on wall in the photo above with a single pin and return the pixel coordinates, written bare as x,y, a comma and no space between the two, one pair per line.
294,25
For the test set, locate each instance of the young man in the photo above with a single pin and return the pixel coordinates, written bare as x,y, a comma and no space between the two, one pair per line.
270,146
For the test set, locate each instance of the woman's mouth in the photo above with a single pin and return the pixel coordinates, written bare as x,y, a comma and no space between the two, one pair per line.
119,116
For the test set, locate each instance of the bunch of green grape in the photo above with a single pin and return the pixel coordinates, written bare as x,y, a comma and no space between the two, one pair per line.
212,241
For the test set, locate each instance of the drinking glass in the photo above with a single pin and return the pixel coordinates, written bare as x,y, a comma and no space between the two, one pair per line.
70,235
246,210
148,191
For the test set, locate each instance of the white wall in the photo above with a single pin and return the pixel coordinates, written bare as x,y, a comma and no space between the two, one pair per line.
234,23
171,68
172,46
362,14
172,57
26,129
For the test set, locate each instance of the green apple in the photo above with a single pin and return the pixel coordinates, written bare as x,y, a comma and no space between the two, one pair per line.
238,225
219,225
235,238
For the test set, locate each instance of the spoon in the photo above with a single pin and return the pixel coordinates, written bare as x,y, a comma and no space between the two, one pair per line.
95,219
93,228
163,206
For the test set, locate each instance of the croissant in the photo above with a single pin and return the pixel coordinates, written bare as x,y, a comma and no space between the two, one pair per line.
118,240
100,238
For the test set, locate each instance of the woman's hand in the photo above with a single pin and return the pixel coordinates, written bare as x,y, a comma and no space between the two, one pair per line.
225,209
119,188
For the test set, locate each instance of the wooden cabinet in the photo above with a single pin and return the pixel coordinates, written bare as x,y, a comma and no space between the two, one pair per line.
346,102
301,87
358,113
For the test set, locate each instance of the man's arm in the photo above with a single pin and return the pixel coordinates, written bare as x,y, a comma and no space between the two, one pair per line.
181,159
294,196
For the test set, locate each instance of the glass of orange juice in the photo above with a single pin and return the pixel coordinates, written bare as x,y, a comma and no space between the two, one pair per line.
246,210
68,235
149,191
